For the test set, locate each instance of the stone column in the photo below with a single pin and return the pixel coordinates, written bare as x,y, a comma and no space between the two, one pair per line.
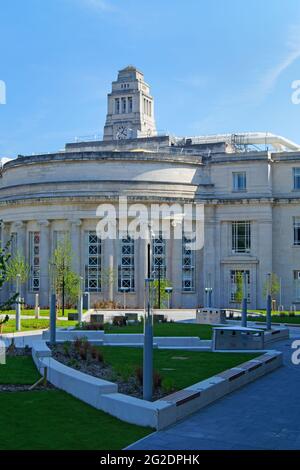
209,250
75,232
44,262
265,248
20,229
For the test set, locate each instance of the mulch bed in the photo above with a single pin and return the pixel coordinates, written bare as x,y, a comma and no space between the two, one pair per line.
101,370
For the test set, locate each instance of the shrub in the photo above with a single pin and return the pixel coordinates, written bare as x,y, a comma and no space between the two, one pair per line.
94,352
106,304
119,321
157,378
81,343
83,353
100,357
139,375
67,347
93,326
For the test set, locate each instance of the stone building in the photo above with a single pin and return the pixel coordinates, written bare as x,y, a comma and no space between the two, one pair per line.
247,185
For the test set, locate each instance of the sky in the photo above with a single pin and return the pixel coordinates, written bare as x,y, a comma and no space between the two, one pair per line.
213,66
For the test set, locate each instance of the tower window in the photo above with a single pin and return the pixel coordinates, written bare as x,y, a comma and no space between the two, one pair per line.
130,104
117,106
123,101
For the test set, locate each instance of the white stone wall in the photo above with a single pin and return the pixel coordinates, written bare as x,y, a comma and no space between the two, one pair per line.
62,191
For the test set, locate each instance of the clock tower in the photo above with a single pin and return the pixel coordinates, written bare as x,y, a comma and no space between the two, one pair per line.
130,107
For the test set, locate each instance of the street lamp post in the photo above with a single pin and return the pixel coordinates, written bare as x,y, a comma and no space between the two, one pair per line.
80,300
53,306
169,291
18,303
148,334
269,302
244,301
124,290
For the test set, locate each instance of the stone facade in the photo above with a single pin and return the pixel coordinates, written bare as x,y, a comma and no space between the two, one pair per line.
250,202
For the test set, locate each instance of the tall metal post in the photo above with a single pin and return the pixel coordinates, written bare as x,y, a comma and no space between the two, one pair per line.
18,303
80,301
269,303
244,301
52,319
148,335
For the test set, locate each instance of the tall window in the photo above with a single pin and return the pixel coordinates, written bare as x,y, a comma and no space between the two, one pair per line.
130,104
236,285
296,172
188,265
239,181
297,285
93,262
241,237
34,261
117,106
296,230
123,104
159,257
126,264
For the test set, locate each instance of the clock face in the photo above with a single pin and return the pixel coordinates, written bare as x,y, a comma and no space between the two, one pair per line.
122,132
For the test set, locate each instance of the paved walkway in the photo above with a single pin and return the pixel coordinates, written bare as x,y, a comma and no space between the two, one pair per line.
262,415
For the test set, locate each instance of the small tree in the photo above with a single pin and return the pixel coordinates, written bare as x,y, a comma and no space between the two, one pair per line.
163,294
275,286
5,256
17,266
66,282
238,296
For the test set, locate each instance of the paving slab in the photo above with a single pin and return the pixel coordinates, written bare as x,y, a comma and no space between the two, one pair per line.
262,415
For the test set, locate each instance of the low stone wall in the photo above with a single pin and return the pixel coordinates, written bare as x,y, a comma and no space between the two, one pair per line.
104,395
131,340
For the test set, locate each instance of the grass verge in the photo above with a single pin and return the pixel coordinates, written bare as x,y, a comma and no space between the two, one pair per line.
54,420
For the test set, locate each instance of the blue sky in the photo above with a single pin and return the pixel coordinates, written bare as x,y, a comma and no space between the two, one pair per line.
213,66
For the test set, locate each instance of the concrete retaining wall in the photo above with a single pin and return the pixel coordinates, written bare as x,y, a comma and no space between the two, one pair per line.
104,395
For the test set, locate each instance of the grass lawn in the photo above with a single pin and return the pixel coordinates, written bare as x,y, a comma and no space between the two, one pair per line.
178,368
32,324
54,420
166,329
43,312
278,319
19,370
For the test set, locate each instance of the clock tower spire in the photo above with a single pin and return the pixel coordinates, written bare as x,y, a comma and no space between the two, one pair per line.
130,107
